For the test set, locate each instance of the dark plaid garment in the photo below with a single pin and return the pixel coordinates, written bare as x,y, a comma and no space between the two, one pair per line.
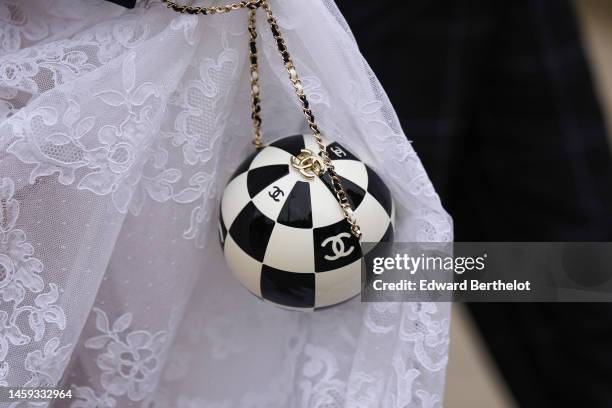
498,99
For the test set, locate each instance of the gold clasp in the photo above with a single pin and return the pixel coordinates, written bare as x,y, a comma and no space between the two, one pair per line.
308,164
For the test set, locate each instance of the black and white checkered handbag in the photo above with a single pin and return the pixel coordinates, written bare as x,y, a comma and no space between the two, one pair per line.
284,236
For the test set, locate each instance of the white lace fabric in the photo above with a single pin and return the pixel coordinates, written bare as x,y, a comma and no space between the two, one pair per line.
118,130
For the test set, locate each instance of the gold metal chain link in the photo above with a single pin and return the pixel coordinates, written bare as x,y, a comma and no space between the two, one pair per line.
254,71
327,165
188,9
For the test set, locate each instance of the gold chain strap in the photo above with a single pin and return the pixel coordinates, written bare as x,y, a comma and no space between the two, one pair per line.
254,70
339,189
180,8
317,167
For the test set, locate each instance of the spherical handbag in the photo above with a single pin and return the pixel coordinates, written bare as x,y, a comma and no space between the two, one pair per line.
284,235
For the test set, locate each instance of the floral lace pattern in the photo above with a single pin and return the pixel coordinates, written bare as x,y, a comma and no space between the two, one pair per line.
115,164
129,364
20,282
118,130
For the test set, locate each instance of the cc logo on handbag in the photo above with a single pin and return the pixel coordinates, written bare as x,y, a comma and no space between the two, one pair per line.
277,191
338,151
337,246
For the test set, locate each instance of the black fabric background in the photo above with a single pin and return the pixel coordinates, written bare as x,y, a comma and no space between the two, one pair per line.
498,99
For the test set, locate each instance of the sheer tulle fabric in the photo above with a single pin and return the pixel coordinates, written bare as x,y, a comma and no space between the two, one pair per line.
118,130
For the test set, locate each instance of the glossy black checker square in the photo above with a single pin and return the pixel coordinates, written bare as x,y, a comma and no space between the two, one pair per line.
378,189
297,210
335,246
354,193
338,152
292,144
222,229
261,177
252,230
287,288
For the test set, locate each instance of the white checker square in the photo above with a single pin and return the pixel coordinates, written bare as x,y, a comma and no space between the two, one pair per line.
235,198
354,171
270,156
326,210
244,267
375,222
337,285
290,249
267,204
